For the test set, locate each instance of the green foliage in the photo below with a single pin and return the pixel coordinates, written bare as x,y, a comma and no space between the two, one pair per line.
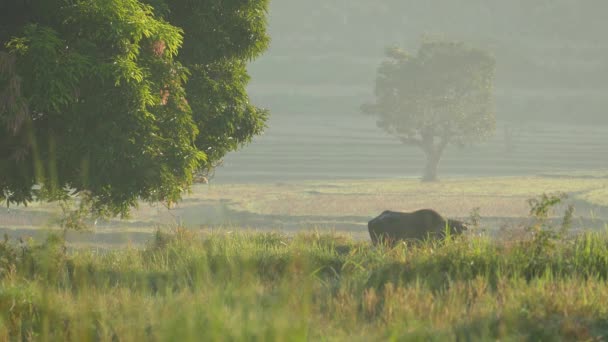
218,77
95,98
545,234
475,217
74,215
441,96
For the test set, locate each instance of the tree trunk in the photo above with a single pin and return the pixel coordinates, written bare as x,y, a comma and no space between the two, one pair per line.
433,155
430,170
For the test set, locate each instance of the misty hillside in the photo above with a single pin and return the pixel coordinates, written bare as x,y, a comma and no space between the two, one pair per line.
552,71
552,56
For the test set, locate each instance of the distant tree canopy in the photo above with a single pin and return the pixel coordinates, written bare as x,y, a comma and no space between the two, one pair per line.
123,99
441,96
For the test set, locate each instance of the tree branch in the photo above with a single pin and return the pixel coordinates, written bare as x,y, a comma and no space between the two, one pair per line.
411,141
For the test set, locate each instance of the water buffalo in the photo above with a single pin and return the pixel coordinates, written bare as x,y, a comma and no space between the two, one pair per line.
391,226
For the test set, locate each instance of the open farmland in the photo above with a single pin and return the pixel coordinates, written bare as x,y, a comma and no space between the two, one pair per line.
337,205
316,147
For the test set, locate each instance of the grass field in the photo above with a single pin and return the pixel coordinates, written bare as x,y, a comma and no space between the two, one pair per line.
322,287
292,261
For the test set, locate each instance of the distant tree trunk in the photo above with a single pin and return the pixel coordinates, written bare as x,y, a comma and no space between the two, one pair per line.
433,156
430,169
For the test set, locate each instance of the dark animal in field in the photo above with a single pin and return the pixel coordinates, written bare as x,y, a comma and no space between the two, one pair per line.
391,226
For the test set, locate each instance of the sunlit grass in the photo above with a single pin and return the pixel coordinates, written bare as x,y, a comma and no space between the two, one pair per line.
343,205
504,196
315,286
597,196
495,196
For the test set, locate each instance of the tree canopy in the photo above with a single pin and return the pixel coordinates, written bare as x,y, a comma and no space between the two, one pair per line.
123,100
443,95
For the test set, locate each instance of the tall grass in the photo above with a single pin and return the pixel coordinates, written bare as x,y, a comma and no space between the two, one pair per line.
266,286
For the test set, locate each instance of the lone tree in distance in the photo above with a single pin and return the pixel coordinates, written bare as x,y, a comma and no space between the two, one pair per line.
441,96
123,100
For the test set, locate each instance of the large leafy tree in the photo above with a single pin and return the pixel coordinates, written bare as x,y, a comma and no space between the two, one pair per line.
443,95
121,100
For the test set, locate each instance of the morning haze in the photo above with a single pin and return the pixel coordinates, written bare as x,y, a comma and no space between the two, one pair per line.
543,119
291,170
550,84
550,88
